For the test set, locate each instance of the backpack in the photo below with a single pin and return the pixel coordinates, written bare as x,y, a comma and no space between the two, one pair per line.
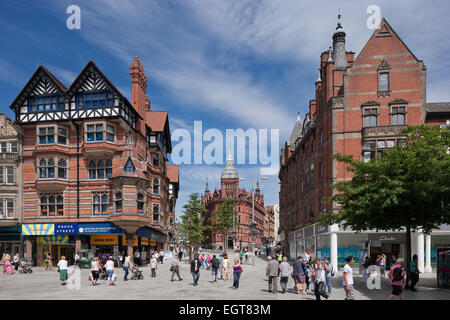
398,274
216,264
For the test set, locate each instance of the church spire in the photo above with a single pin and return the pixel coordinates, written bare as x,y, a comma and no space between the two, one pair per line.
206,187
339,55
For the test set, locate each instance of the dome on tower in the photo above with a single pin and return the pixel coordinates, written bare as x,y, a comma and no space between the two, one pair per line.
229,171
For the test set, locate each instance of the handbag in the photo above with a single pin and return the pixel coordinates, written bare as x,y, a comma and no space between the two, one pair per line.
171,268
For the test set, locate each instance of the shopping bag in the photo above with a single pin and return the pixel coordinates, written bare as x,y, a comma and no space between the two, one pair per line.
114,277
90,277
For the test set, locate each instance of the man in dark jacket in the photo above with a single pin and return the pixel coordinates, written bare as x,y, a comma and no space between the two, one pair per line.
299,275
215,265
195,269
180,254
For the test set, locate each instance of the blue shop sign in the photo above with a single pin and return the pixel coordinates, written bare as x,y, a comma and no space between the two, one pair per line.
99,228
66,228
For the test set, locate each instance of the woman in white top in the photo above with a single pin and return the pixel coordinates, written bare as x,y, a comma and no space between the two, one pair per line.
153,266
225,267
62,267
319,278
110,270
95,271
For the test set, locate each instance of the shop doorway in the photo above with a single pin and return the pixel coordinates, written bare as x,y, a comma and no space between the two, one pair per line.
68,252
388,249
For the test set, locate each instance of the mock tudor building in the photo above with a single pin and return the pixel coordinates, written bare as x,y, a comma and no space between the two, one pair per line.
244,203
359,108
96,176
11,187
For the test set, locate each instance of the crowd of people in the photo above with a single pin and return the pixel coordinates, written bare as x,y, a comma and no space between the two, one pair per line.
310,276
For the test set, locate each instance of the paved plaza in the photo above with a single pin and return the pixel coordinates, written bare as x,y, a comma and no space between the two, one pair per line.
45,285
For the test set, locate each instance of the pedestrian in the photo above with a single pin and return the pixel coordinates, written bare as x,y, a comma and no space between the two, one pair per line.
195,268
366,270
7,266
348,278
329,272
318,278
161,256
208,262
76,258
153,266
137,258
241,256
308,276
272,271
95,271
215,265
219,271
414,273
49,262
202,260
299,275
396,275
16,262
225,267
110,271
383,265
62,269
280,258
237,271
306,257
175,270
180,255
126,267
284,274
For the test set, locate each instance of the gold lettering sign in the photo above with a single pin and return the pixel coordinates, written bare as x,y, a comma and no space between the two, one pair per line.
135,241
104,240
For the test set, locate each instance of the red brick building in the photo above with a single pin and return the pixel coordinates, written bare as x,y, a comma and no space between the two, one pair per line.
360,105
244,205
95,166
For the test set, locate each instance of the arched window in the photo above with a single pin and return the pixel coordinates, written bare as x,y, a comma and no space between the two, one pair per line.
129,166
140,203
52,205
98,169
155,213
100,204
155,185
118,202
62,169
47,168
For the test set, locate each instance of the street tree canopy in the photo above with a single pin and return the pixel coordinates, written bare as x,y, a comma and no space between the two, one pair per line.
224,220
407,188
192,227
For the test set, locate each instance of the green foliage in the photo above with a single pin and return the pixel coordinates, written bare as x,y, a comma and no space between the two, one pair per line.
224,219
408,187
192,228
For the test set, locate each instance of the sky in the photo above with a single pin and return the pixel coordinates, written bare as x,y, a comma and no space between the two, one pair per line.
228,63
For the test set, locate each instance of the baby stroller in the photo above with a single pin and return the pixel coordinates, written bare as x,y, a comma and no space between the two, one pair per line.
102,273
24,267
136,273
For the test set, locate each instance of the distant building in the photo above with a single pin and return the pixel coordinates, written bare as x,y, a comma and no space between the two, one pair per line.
269,226
11,187
241,238
360,106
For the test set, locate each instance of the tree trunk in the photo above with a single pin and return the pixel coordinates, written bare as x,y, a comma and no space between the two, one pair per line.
408,255
225,242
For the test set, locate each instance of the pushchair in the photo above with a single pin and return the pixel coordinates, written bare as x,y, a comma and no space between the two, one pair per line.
136,273
102,273
24,267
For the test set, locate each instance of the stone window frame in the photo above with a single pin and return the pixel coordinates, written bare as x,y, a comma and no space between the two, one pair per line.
56,167
97,168
398,103
377,149
118,200
105,124
158,185
100,203
4,208
158,212
384,68
47,204
4,175
140,202
364,115
56,134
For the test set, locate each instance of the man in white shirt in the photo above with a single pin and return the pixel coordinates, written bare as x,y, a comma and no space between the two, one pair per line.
306,257
76,258
348,278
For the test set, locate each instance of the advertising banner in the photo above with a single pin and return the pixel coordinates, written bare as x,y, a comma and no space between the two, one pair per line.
53,240
98,228
104,240
66,228
135,241
38,229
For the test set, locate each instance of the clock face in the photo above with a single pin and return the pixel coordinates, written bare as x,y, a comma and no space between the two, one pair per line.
81,230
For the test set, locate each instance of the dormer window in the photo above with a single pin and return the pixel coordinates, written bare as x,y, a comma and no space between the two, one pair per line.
129,166
47,103
101,99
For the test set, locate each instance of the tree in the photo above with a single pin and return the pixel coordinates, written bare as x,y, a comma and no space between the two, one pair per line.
192,227
224,220
408,188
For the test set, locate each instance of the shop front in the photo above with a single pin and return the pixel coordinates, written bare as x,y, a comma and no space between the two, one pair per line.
57,246
10,241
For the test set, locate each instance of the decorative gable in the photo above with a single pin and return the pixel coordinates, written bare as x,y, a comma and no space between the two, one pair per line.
384,65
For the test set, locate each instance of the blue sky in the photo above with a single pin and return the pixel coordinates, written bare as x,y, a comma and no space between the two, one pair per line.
231,64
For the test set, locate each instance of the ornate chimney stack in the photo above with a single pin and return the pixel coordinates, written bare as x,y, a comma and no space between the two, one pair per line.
138,86
339,56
